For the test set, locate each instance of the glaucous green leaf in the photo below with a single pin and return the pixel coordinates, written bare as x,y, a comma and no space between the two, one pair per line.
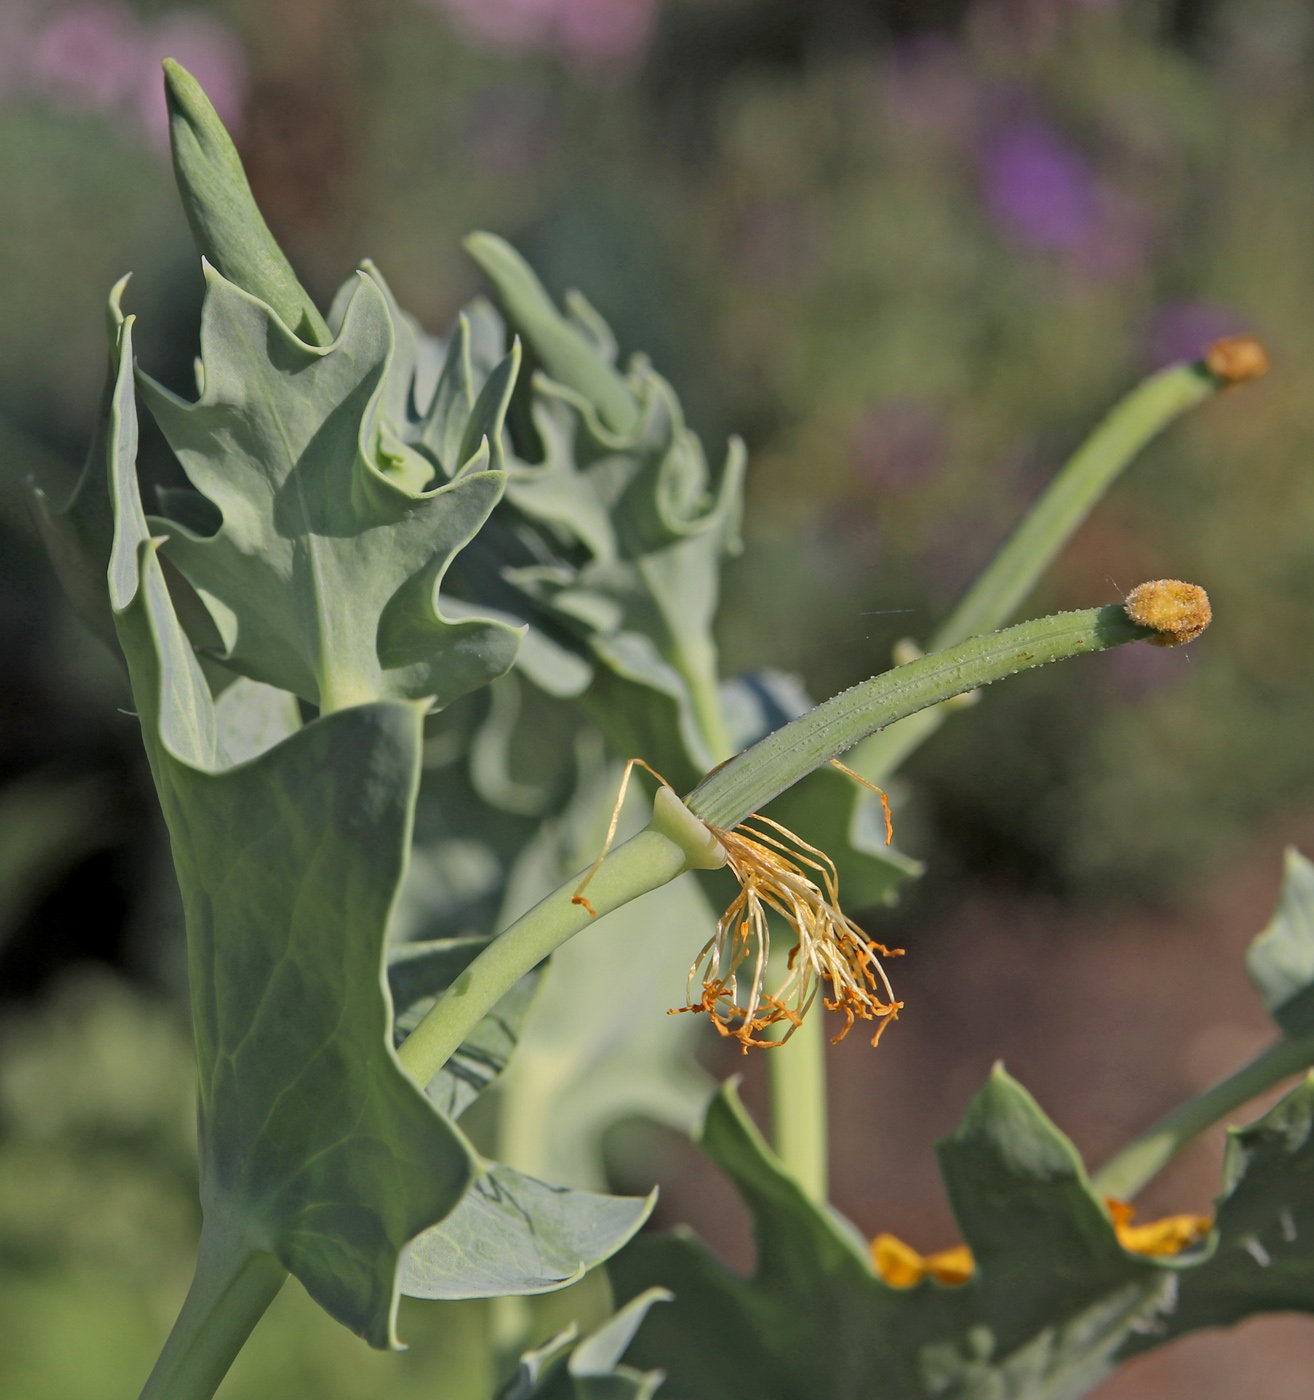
575,356
610,538
599,1045
316,1147
1263,1259
591,1370
512,1234
1281,958
323,577
1053,1296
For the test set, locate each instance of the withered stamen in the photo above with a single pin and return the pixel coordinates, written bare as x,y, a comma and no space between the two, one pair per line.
770,867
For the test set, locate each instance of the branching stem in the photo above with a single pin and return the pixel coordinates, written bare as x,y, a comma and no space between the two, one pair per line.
733,792
1086,476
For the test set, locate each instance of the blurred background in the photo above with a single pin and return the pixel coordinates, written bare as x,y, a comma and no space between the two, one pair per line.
911,250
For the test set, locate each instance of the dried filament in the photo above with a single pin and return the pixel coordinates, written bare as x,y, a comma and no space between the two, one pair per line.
772,866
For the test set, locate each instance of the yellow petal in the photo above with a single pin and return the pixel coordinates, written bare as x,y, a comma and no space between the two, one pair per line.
952,1266
901,1266
897,1263
1159,1238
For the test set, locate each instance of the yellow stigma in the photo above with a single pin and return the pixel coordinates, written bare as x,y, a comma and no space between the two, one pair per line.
1236,358
1177,611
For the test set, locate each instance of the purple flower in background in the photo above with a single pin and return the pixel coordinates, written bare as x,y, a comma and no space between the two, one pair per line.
1040,188
88,55
590,31
1184,330
96,55
1045,195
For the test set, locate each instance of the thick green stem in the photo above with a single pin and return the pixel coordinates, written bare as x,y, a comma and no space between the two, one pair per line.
799,1120
700,673
747,783
676,842
643,863
1047,527
232,1287
1069,498
1125,1173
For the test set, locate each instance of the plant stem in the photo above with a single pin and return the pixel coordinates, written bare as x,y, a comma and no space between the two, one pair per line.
747,783
643,863
1128,1170
1031,549
799,1127
232,1287
1069,498
675,842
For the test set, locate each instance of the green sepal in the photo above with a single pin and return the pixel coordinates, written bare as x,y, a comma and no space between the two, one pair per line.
560,1369
228,228
323,578
1280,960
316,1147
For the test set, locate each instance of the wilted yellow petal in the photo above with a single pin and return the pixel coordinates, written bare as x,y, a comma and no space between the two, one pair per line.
953,1266
1170,1235
897,1263
901,1266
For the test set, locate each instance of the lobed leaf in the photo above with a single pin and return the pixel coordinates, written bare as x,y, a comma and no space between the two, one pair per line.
1281,958
610,543
315,1146
591,1370
1053,1304
323,577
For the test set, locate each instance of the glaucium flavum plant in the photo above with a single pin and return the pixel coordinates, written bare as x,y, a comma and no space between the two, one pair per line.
380,523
